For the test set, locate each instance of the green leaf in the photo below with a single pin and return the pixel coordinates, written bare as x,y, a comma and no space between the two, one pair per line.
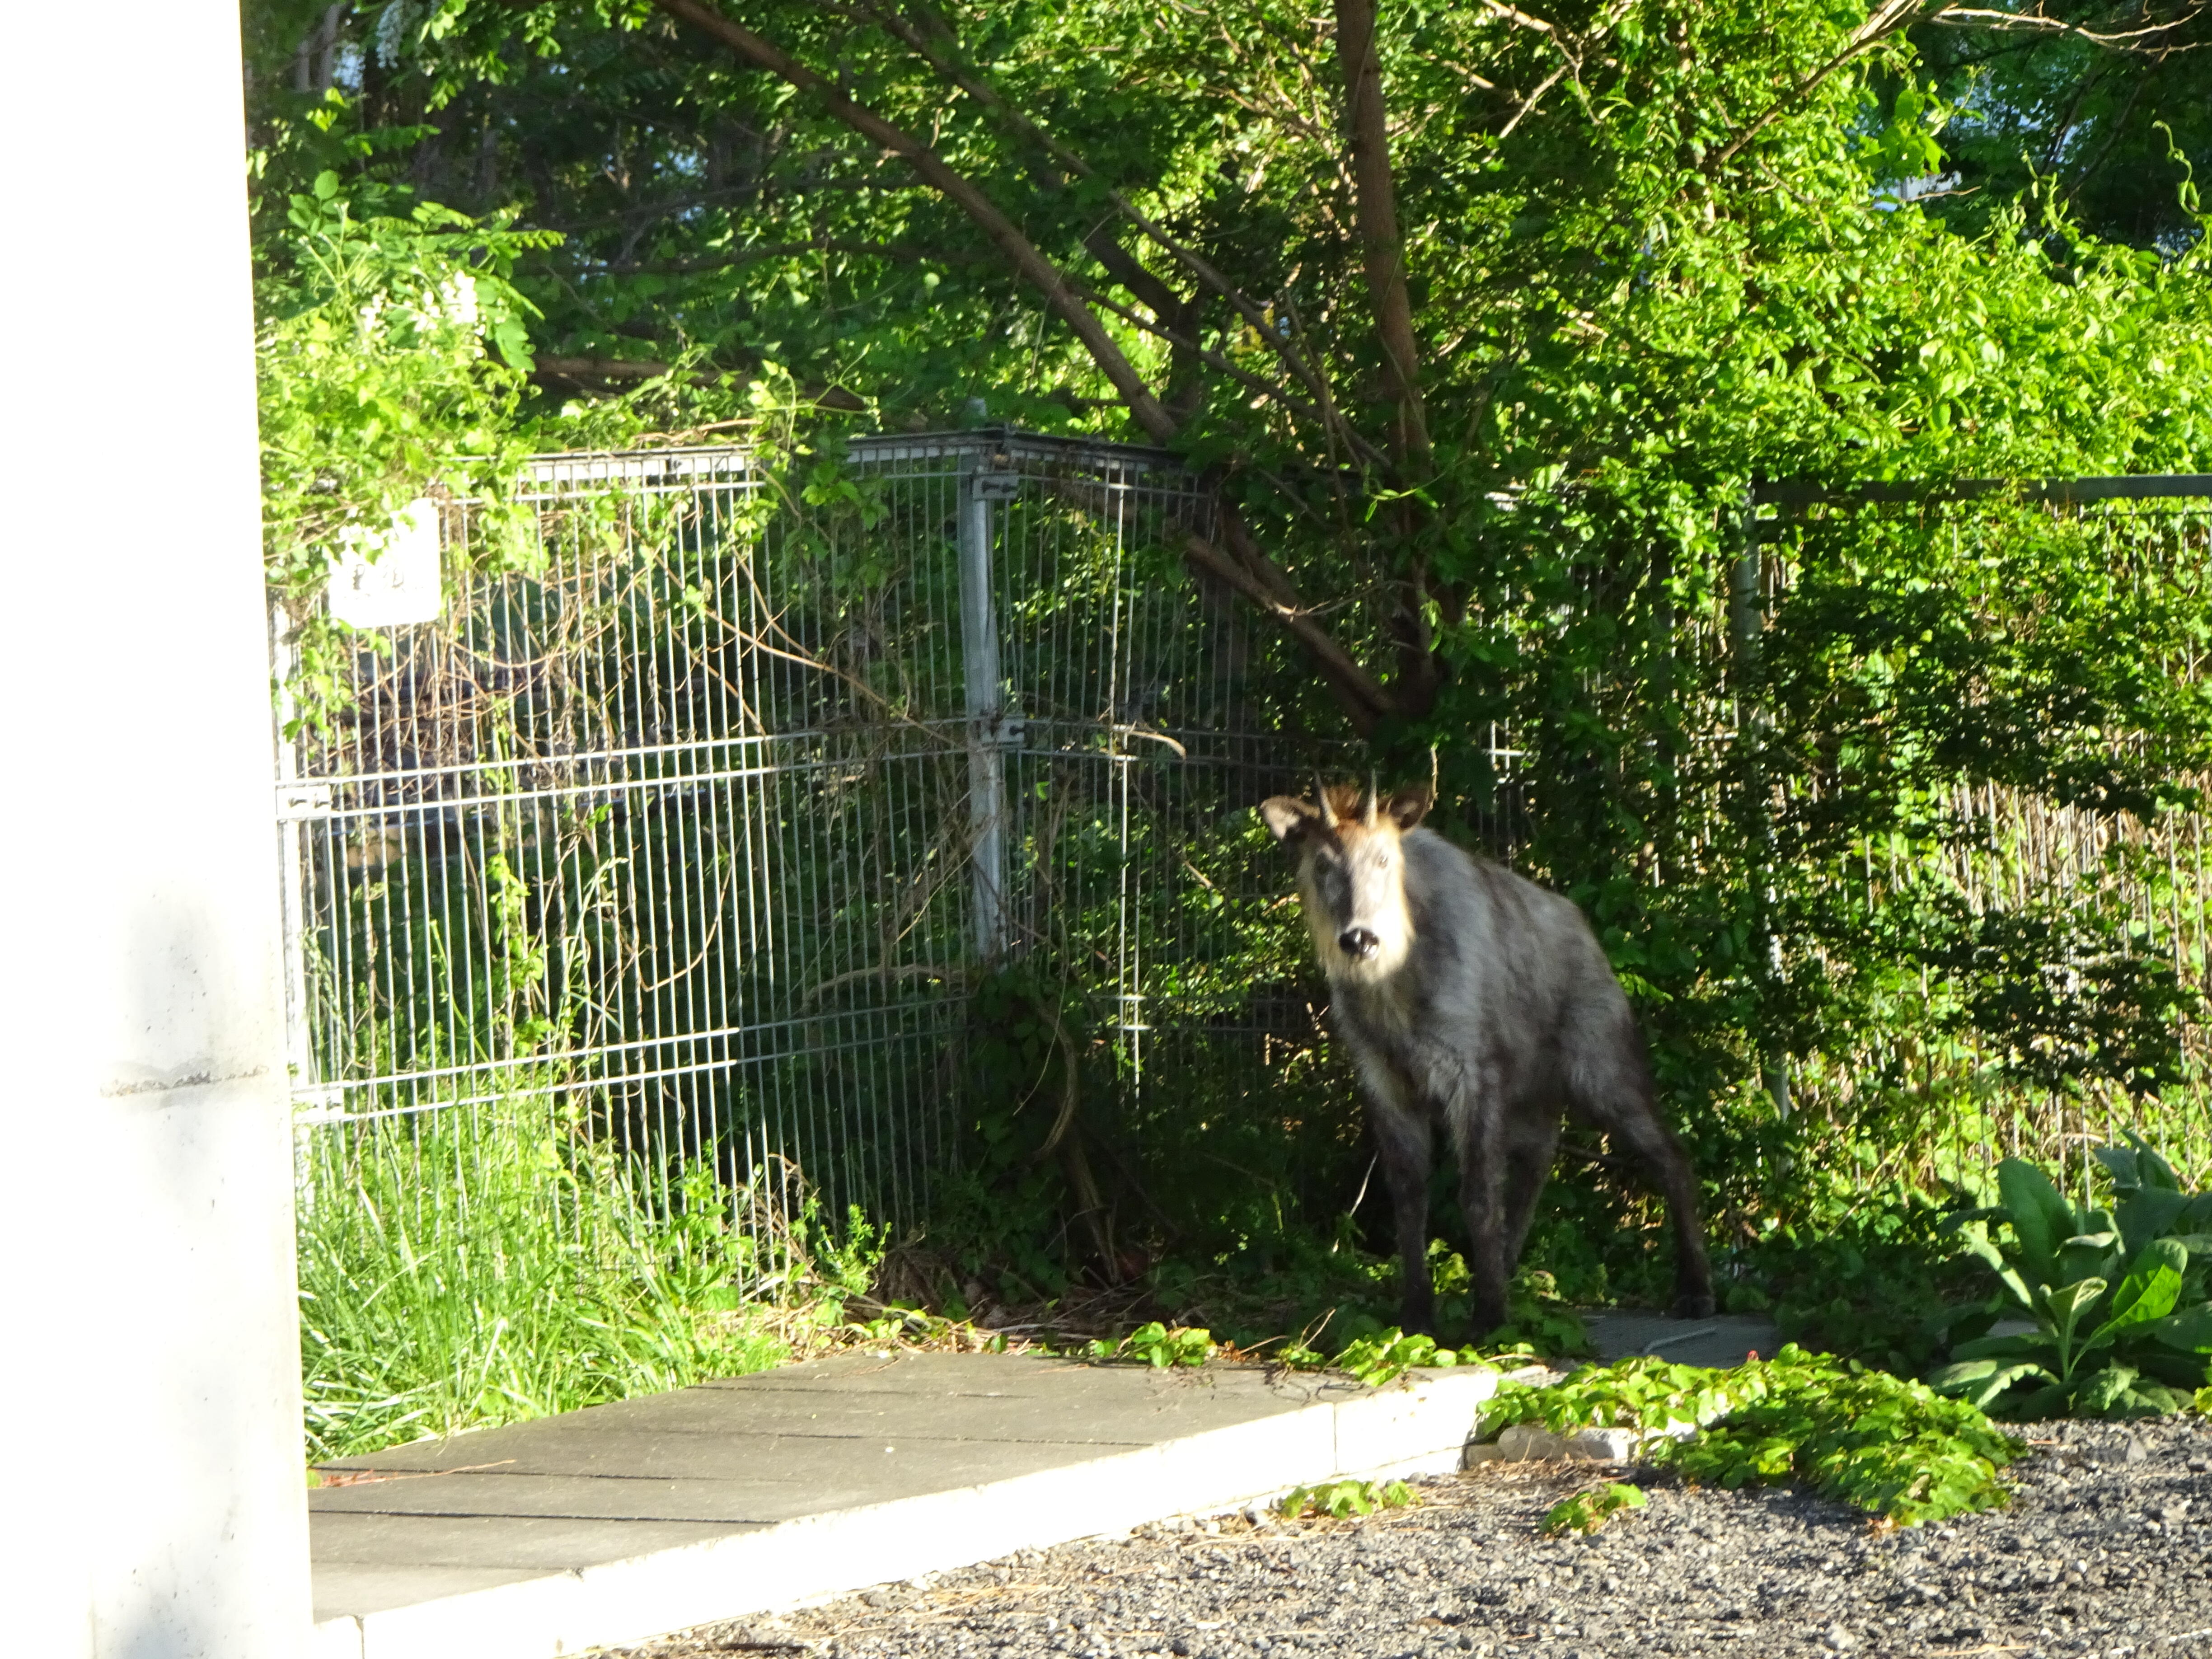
2149,1215
2152,1169
2120,1162
2104,1389
2187,1332
2065,1308
1979,1382
1981,1246
2151,1288
2040,1218
2088,1255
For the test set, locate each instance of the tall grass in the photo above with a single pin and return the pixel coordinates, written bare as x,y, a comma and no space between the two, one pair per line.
472,1266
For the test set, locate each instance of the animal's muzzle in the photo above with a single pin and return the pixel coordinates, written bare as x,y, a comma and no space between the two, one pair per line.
1358,943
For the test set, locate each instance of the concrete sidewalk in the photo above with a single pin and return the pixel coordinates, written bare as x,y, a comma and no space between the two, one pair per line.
1722,1340
626,1520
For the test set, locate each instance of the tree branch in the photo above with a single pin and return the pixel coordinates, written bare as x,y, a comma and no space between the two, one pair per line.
1124,266
1251,573
1375,213
1364,698
1144,408
1891,17
2034,23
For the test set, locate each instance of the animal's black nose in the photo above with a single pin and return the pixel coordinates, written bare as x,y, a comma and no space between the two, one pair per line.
1357,943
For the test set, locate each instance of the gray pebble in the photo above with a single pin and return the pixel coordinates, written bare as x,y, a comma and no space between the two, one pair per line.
2106,1547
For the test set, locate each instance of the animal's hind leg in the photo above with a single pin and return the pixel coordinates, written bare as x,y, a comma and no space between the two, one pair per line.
1612,1089
1528,1166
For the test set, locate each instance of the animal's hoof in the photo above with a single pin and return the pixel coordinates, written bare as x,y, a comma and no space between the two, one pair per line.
1700,1306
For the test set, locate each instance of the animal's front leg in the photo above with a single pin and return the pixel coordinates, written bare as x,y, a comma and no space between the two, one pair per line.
1402,1142
1478,1130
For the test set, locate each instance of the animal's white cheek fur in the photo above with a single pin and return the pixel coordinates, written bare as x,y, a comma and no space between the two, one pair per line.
1333,961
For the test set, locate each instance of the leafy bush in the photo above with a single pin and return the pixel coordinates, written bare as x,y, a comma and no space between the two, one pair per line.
1858,1283
1654,1395
1873,1441
2122,1323
1390,1354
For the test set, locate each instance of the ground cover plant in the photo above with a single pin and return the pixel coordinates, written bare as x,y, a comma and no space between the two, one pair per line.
1586,1511
2122,1317
1881,1443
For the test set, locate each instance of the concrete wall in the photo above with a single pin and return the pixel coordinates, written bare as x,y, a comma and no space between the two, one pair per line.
153,1499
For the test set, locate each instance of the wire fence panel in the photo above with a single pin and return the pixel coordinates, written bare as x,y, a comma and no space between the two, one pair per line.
685,834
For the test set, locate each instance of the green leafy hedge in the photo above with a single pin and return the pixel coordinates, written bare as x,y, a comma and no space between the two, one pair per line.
1883,1444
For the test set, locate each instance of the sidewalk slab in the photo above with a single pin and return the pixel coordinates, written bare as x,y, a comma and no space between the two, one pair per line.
1722,1340
629,1521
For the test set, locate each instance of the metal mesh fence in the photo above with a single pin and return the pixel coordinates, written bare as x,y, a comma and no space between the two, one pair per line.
673,850
684,835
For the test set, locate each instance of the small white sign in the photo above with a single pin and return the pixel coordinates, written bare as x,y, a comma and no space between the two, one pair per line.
389,581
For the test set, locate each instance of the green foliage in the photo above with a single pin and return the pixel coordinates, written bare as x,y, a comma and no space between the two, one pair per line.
391,351
1586,1511
1390,1354
1538,1322
2121,1308
1160,1347
1646,1394
481,1267
1857,1283
1340,1499
1876,1442
2114,131
1871,1440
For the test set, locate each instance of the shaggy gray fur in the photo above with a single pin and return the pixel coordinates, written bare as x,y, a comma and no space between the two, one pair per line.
1474,1001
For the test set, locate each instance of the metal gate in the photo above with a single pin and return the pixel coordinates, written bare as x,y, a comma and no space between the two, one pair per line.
686,828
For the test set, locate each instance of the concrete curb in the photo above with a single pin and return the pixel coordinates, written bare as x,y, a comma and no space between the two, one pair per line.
1419,1426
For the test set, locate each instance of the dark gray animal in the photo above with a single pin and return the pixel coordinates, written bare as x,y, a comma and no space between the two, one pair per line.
1476,1002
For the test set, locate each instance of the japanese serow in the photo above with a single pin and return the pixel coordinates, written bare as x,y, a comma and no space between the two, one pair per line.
1476,1004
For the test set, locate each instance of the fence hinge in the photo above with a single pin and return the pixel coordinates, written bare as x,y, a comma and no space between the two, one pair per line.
995,486
303,803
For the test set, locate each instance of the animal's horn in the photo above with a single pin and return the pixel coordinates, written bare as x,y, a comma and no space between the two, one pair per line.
1321,799
1374,801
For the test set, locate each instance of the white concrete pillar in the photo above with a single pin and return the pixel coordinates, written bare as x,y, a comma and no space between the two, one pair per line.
151,1466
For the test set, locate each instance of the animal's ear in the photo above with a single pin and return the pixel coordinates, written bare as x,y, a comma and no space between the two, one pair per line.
1407,808
1288,818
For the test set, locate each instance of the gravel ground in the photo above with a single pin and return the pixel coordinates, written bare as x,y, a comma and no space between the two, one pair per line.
2107,1550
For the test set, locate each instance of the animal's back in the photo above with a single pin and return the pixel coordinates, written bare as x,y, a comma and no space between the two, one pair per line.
1489,940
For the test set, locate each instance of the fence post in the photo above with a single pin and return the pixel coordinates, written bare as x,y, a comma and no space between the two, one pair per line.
1747,627
980,486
